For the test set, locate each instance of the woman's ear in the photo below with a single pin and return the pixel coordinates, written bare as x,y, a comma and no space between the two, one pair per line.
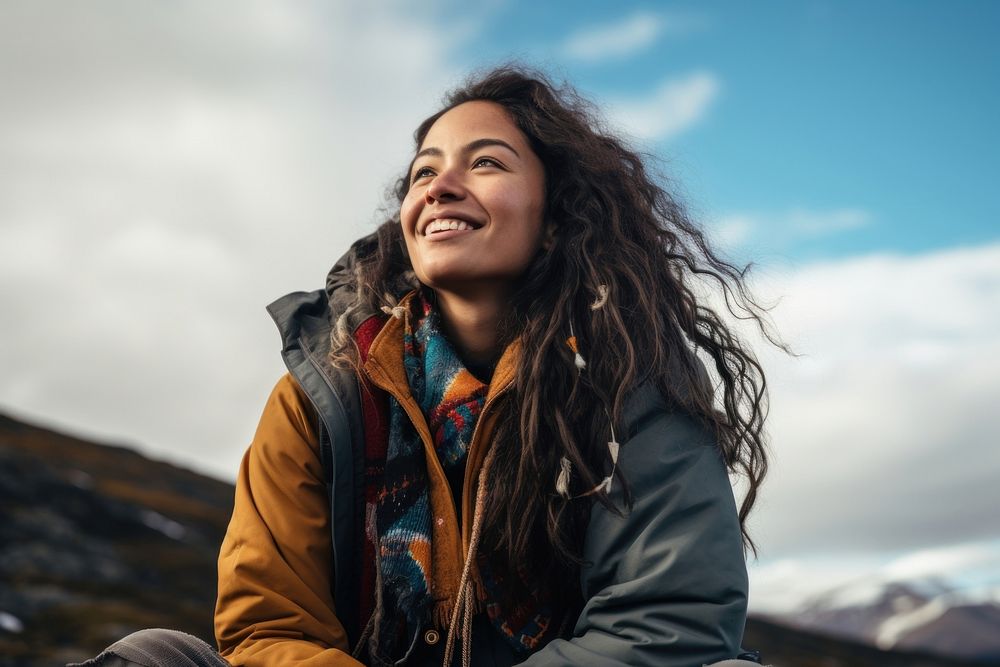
548,235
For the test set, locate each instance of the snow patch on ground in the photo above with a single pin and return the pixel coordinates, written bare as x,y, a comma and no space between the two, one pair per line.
898,625
10,623
162,524
81,479
858,594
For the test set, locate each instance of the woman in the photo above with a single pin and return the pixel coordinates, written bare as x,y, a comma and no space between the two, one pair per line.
439,477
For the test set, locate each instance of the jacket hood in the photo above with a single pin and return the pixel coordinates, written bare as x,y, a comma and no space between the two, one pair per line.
342,282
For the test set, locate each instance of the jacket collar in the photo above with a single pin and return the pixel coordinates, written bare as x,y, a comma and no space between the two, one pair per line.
385,358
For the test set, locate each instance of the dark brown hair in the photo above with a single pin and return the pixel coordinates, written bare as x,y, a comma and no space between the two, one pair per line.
615,228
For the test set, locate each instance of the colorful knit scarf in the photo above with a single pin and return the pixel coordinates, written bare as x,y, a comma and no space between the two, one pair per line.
451,399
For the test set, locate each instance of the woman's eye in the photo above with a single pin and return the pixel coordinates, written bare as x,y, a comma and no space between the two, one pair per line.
421,173
485,162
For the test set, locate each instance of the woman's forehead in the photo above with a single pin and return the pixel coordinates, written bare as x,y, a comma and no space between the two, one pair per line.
470,121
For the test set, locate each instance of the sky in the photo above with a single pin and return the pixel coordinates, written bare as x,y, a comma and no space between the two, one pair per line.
168,169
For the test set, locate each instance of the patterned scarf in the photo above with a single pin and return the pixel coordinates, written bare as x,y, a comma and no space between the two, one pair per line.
397,493
451,399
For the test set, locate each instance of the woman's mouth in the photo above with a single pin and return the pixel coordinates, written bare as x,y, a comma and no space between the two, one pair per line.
448,224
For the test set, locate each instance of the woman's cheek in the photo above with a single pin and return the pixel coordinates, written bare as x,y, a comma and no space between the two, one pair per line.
406,214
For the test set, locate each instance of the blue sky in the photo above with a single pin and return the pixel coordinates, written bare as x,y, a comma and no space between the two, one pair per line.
168,169
887,109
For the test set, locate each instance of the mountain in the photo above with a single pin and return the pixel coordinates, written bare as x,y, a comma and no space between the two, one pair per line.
925,614
784,646
97,541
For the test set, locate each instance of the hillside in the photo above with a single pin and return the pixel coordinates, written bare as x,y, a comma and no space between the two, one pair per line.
915,614
97,541
783,646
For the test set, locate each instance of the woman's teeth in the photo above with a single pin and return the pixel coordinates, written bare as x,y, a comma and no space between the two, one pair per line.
445,225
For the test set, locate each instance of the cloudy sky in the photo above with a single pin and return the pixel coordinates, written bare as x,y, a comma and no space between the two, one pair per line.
167,169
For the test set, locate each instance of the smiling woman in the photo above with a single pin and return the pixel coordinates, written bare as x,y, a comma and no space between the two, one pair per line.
472,217
497,443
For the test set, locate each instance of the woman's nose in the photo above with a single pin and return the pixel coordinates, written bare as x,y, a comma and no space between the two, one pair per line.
445,186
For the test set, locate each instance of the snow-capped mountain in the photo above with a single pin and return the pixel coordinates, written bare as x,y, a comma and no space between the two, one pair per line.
921,615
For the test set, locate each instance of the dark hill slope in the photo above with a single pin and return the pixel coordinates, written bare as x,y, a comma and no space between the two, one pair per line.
787,647
97,541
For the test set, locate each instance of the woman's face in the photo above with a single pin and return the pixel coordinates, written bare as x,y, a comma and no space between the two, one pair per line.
472,217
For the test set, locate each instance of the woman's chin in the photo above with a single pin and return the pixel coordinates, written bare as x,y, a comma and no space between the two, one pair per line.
466,284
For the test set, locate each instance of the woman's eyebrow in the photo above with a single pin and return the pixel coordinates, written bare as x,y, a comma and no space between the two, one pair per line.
469,147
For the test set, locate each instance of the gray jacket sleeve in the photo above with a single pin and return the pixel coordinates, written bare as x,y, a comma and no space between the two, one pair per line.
664,585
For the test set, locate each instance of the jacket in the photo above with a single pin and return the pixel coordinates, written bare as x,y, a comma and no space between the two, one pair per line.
664,584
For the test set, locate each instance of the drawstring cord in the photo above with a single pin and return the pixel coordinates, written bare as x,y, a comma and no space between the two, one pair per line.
365,636
463,603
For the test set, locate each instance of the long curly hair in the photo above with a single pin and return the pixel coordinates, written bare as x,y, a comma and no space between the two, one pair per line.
624,269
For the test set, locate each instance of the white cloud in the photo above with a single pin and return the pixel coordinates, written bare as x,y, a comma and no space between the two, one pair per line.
633,33
826,222
740,230
628,36
673,107
968,570
963,562
166,170
884,432
733,231
781,586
